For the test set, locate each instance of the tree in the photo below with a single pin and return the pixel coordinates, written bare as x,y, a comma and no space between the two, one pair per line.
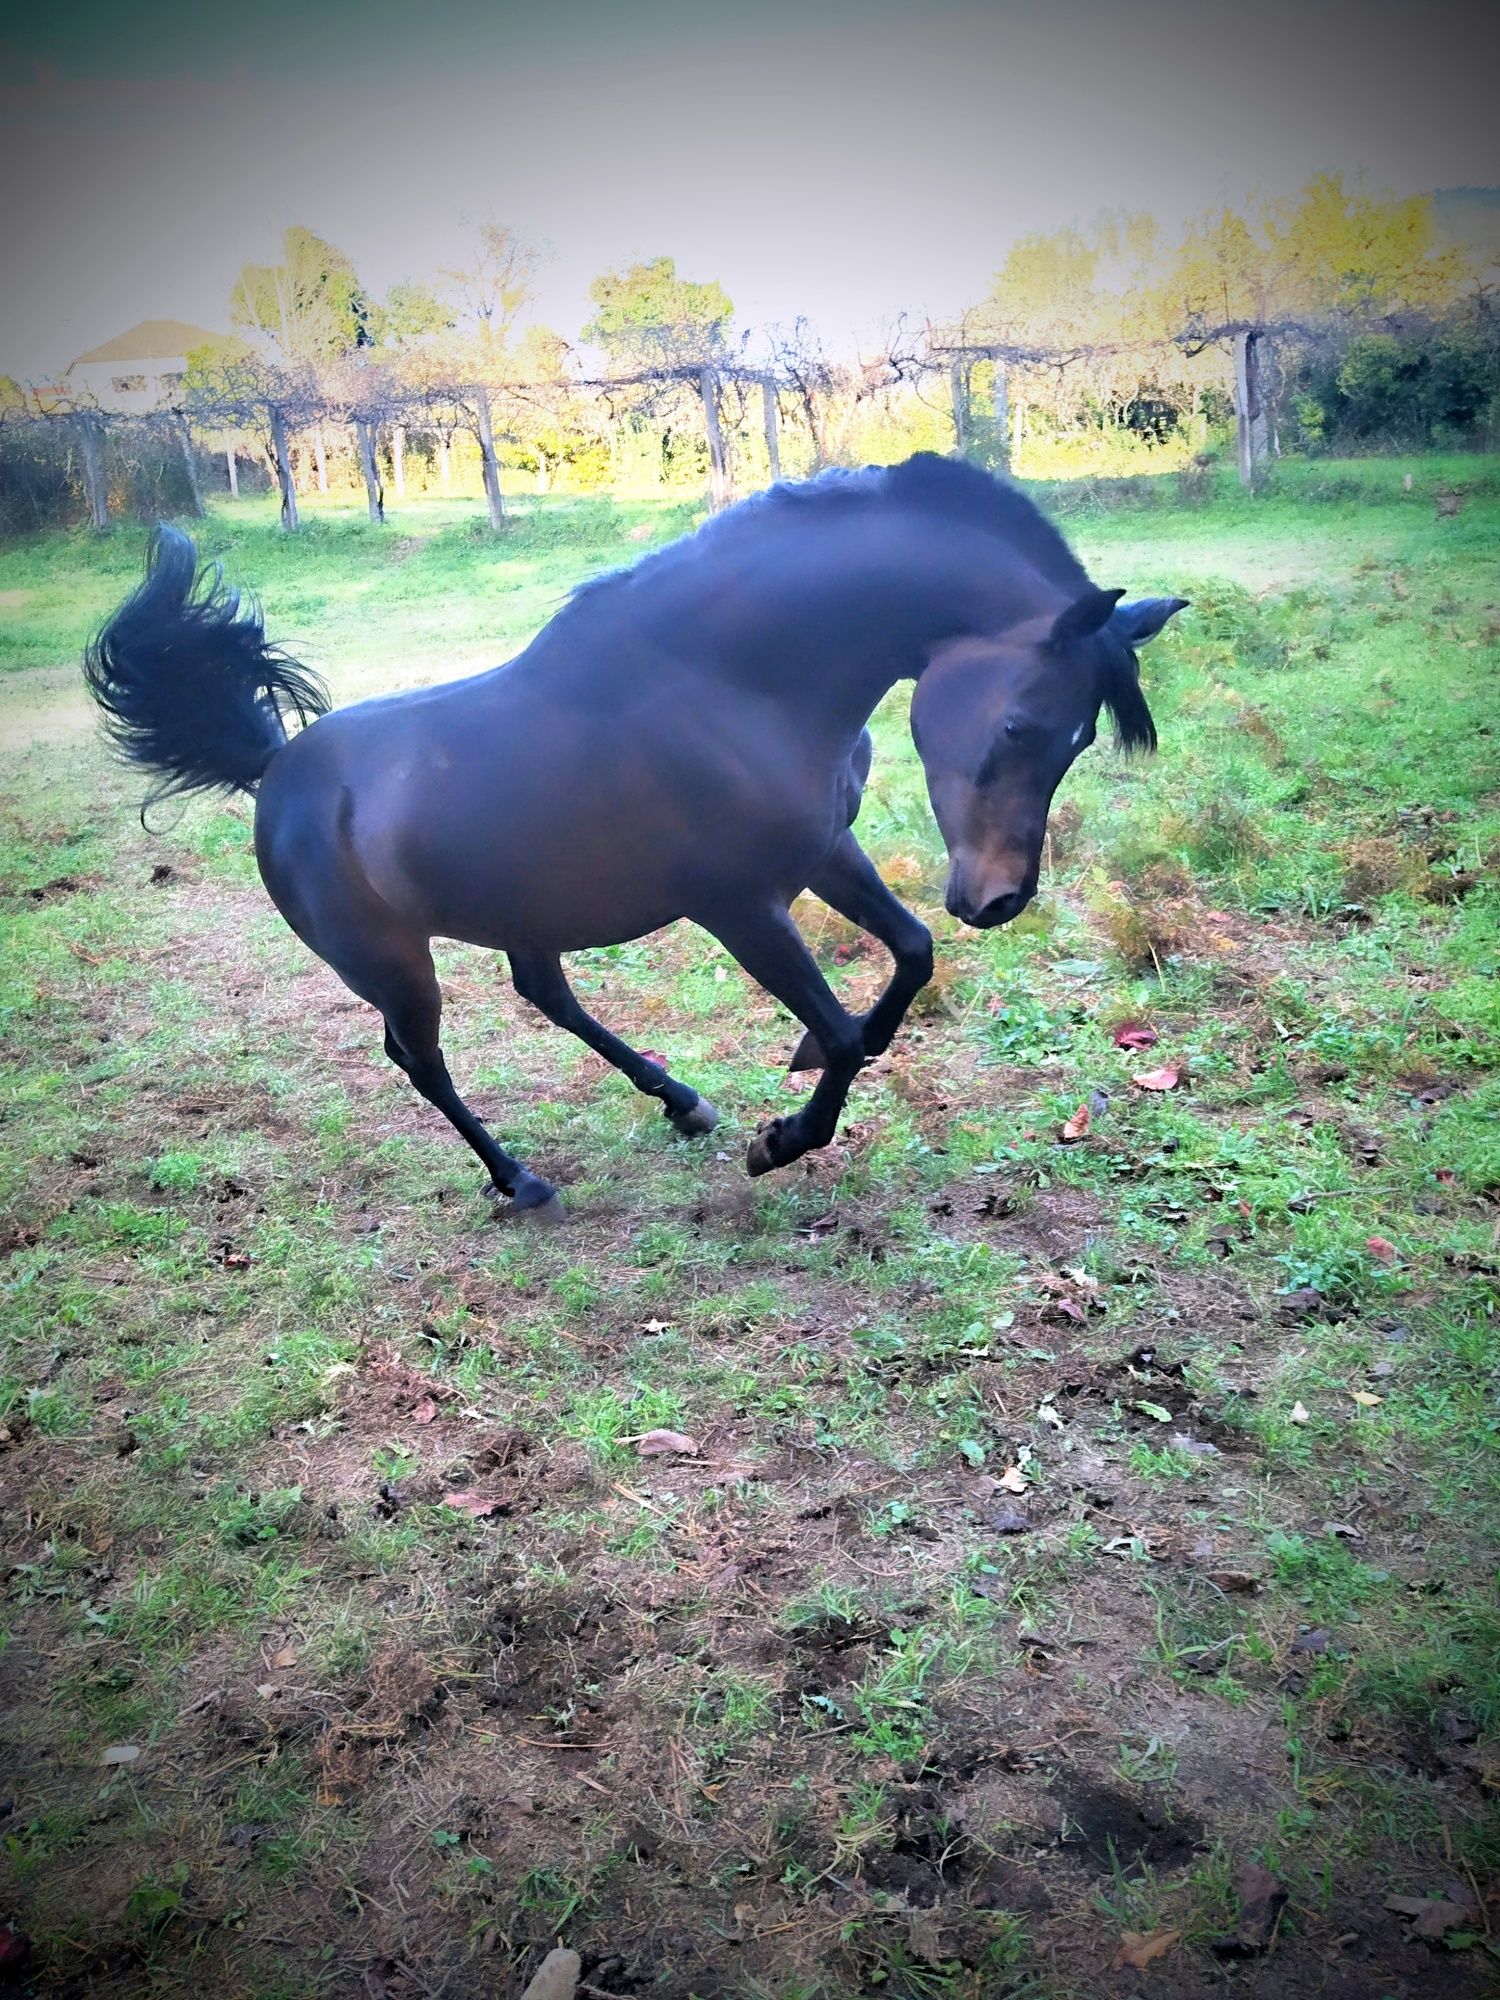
308,308
410,312
647,315
231,385
492,287
463,368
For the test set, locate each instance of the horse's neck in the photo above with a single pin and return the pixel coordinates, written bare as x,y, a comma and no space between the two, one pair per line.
893,623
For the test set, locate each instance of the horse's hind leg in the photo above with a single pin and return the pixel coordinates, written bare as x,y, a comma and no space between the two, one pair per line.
397,976
541,980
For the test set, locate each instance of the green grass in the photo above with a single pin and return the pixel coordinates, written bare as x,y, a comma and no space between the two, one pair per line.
819,1698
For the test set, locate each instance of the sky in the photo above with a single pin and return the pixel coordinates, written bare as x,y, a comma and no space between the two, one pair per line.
847,160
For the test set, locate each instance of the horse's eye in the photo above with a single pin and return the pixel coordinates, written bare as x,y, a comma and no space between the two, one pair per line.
1015,731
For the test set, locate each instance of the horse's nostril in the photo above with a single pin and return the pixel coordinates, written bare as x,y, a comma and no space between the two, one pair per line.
1000,909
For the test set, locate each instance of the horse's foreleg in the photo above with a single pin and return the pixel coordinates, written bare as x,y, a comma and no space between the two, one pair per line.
771,949
398,977
848,882
541,980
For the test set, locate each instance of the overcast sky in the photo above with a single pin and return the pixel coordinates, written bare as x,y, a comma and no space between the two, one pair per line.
846,159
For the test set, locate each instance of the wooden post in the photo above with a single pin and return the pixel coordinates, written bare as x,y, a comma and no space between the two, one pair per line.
958,382
364,439
234,472
484,430
718,470
398,459
1250,416
189,461
90,431
999,394
281,461
770,410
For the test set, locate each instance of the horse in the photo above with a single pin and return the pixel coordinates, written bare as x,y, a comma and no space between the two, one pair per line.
685,738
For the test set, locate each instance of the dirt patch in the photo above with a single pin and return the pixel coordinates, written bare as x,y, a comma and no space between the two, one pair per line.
1109,1830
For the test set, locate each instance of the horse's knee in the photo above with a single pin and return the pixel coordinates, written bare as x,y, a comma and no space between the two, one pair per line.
843,1047
915,960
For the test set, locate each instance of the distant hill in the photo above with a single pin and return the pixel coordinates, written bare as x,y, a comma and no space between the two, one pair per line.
1470,218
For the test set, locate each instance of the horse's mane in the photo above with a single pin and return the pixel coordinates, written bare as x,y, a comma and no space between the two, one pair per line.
949,488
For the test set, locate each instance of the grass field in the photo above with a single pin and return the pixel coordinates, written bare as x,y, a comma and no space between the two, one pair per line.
1073,1529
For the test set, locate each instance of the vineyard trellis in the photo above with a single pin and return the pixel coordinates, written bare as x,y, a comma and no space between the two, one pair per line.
367,393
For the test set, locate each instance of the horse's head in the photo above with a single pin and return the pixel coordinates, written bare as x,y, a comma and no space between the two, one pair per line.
998,720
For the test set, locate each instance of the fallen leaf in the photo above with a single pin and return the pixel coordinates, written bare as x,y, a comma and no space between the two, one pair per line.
1317,1640
1135,1035
1365,1400
1161,1414
1433,1916
1194,1447
659,1444
479,1506
425,1411
1242,1580
287,1657
1382,1249
1076,1127
655,1325
1139,1948
122,1753
1262,1899
15,1949
1300,1413
823,1225
1014,1480
1157,1079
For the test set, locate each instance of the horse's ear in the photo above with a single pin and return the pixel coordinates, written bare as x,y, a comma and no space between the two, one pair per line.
1142,620
1083,617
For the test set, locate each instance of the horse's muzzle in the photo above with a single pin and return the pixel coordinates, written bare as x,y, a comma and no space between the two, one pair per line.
989,916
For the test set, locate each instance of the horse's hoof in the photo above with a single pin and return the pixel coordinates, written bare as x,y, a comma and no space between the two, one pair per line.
695,1121
533,1201
762,1157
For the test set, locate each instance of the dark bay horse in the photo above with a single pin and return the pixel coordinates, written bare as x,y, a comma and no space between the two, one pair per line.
684,739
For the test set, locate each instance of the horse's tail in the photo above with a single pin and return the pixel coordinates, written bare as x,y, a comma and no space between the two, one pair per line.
186,682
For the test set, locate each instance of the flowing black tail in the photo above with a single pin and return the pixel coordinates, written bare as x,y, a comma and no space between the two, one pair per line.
188,686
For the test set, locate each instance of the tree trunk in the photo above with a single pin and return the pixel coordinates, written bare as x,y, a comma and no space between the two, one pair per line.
999,402
281,463
1249,407
543,471
958,383
189,462
489,465
320,459
364,439
90,434
398,459
770,411
718,469
234,472
1017,430
445,461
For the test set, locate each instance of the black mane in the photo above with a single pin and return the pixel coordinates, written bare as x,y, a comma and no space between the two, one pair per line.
949,488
